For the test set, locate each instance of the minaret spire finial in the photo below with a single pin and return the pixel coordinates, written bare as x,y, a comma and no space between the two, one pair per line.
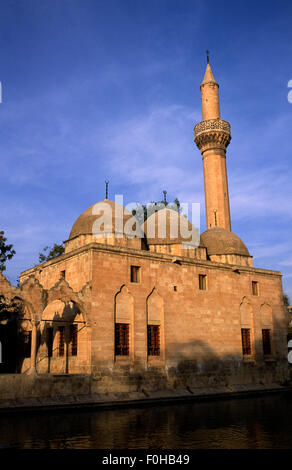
106,189
208,56
165,193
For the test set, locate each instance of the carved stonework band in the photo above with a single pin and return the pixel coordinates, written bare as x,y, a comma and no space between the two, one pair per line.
213,133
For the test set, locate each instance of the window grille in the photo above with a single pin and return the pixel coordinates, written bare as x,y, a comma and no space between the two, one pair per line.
246,343
61,348
73,339
121,339
153,340
266,342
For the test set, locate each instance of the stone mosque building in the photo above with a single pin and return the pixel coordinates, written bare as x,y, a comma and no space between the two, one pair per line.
149,313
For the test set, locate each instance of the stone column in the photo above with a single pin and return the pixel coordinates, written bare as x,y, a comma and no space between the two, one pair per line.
33,353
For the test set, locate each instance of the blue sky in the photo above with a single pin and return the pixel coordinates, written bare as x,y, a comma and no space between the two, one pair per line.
109,89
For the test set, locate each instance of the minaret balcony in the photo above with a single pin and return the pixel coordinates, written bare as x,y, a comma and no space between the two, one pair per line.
213,132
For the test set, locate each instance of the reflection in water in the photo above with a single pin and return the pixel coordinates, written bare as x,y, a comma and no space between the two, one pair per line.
262,422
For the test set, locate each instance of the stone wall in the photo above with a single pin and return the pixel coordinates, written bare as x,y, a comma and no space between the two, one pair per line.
122,382
21,386
195,324
188,375
200,330
76,268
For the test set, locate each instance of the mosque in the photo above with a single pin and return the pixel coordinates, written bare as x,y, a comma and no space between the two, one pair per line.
137,311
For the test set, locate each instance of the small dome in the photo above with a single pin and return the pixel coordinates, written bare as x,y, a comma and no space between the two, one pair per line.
220,241
114,218
168,227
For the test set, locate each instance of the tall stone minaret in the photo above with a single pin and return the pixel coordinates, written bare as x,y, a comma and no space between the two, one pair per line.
212,137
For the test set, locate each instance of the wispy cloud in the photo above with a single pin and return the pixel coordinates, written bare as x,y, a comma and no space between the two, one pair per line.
153,151
261,192
115,95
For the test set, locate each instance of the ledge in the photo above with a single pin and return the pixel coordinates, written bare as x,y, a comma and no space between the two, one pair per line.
153,256
137,399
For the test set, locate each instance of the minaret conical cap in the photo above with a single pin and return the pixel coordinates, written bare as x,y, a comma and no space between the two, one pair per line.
209,77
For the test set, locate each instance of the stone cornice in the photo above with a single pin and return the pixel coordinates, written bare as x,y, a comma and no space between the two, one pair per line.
151,256
210,83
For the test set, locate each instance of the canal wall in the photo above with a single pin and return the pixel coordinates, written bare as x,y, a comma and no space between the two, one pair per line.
123,385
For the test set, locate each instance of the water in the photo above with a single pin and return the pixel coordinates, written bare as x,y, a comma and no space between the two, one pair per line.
250,423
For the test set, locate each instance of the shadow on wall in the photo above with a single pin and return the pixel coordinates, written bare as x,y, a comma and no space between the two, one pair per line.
15,336
188,365
21,308
197,365
54,340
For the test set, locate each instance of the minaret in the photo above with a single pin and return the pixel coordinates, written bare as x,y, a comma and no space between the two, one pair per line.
212,137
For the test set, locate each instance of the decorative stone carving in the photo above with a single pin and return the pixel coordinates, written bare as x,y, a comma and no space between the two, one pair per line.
212,133
212,125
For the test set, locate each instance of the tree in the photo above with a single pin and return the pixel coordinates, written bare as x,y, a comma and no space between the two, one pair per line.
10,312
10,309
51,253
6,251
143,211
286,300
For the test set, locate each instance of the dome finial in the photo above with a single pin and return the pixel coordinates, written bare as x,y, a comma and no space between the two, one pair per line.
106,189
208,56
165,193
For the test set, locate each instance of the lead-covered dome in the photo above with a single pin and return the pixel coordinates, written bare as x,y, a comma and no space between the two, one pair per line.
168,227
106,217
105,222
220,241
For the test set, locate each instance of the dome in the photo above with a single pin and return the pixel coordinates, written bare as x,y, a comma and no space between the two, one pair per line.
106,217
220,241
168,227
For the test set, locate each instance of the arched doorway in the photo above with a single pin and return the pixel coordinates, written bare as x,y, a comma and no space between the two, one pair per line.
63,345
